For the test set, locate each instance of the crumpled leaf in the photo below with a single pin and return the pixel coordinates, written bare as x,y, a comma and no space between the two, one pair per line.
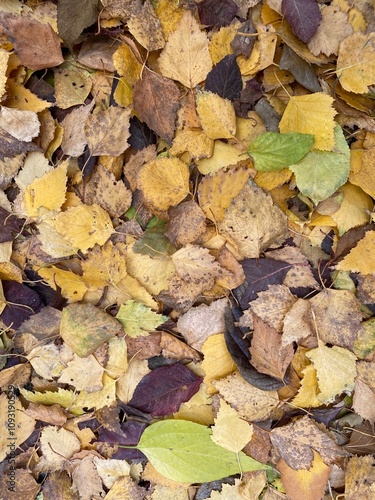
184,451
272,151
139,320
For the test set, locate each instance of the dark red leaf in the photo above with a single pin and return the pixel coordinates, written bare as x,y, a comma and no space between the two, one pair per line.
260,273
303,16
162,391
249,96
216,12
132,431
225,78
10,225
23,303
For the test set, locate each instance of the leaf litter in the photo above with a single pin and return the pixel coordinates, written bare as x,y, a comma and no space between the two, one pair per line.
187,232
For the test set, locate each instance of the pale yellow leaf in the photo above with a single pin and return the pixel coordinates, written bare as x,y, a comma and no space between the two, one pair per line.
84,226
185,57
125,385
57,446
223,155
356,62
336,370
195,264
354,210
220,43
45,361
164,182
47,191
83,374
217,115
117,363
4,56
98,399
217,362
311,114
23,125
307,393
193,142
230,431
104,265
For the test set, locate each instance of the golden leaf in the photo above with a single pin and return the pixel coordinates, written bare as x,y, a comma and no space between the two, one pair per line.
230,431
217,116
361,257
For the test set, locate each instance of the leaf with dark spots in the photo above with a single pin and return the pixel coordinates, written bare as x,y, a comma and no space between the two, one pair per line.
302,71
10,146
141,135
242,43
162,391
225,78
303,17
260,273
22,302
156,101
10,225
216,12
238,346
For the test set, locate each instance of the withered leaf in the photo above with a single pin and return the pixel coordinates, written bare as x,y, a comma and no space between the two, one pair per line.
242,43
35,43
156,101
214,13
73,17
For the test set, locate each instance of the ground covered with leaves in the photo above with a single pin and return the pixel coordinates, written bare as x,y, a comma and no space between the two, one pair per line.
187,249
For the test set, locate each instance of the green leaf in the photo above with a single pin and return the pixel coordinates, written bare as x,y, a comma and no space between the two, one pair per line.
138,319
273,151
320,173
154,242
184,451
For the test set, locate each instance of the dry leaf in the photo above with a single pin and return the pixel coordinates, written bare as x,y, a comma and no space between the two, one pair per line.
107,131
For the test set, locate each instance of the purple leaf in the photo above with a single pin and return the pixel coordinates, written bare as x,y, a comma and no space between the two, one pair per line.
162,391
260,273
132,433
24,303
303,16
216,12
225,78
141,135
10,225
249,96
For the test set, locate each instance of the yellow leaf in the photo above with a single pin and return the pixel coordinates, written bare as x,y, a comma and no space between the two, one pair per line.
194,142
223,155
217,362
362,172
361,257
169,14
164,182
72,286
4,56
117,363
185,57
194,264
123,94
354,210
98,399
8,270
54,243
356,62
307,394
146,28
84,226
217,116
57,445
103,266
83,374
230,431
62,397
217,191
20,97
220,44
263,51
72,84
198,409
309,484
311,114
47,191
335,369
126,64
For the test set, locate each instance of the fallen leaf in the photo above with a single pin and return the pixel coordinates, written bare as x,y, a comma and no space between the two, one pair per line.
225,79
229,430
359,478
72,19
217,116
23,125
196,265
146,28
359,259
303,16
217,362
213,14
335,370
138,319
178,59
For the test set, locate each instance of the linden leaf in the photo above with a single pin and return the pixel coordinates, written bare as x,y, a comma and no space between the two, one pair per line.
272,151
230,431
217,115
184,451
83,226
335,369
139,320
356,62
164,182
185,57
320,173
311,114
107,131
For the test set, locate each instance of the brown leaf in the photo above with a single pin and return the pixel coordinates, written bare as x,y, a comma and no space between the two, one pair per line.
267,355
35,43
146,28
296,441
156,101
187,223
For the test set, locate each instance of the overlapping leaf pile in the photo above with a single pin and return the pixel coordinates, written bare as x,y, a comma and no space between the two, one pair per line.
187,240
